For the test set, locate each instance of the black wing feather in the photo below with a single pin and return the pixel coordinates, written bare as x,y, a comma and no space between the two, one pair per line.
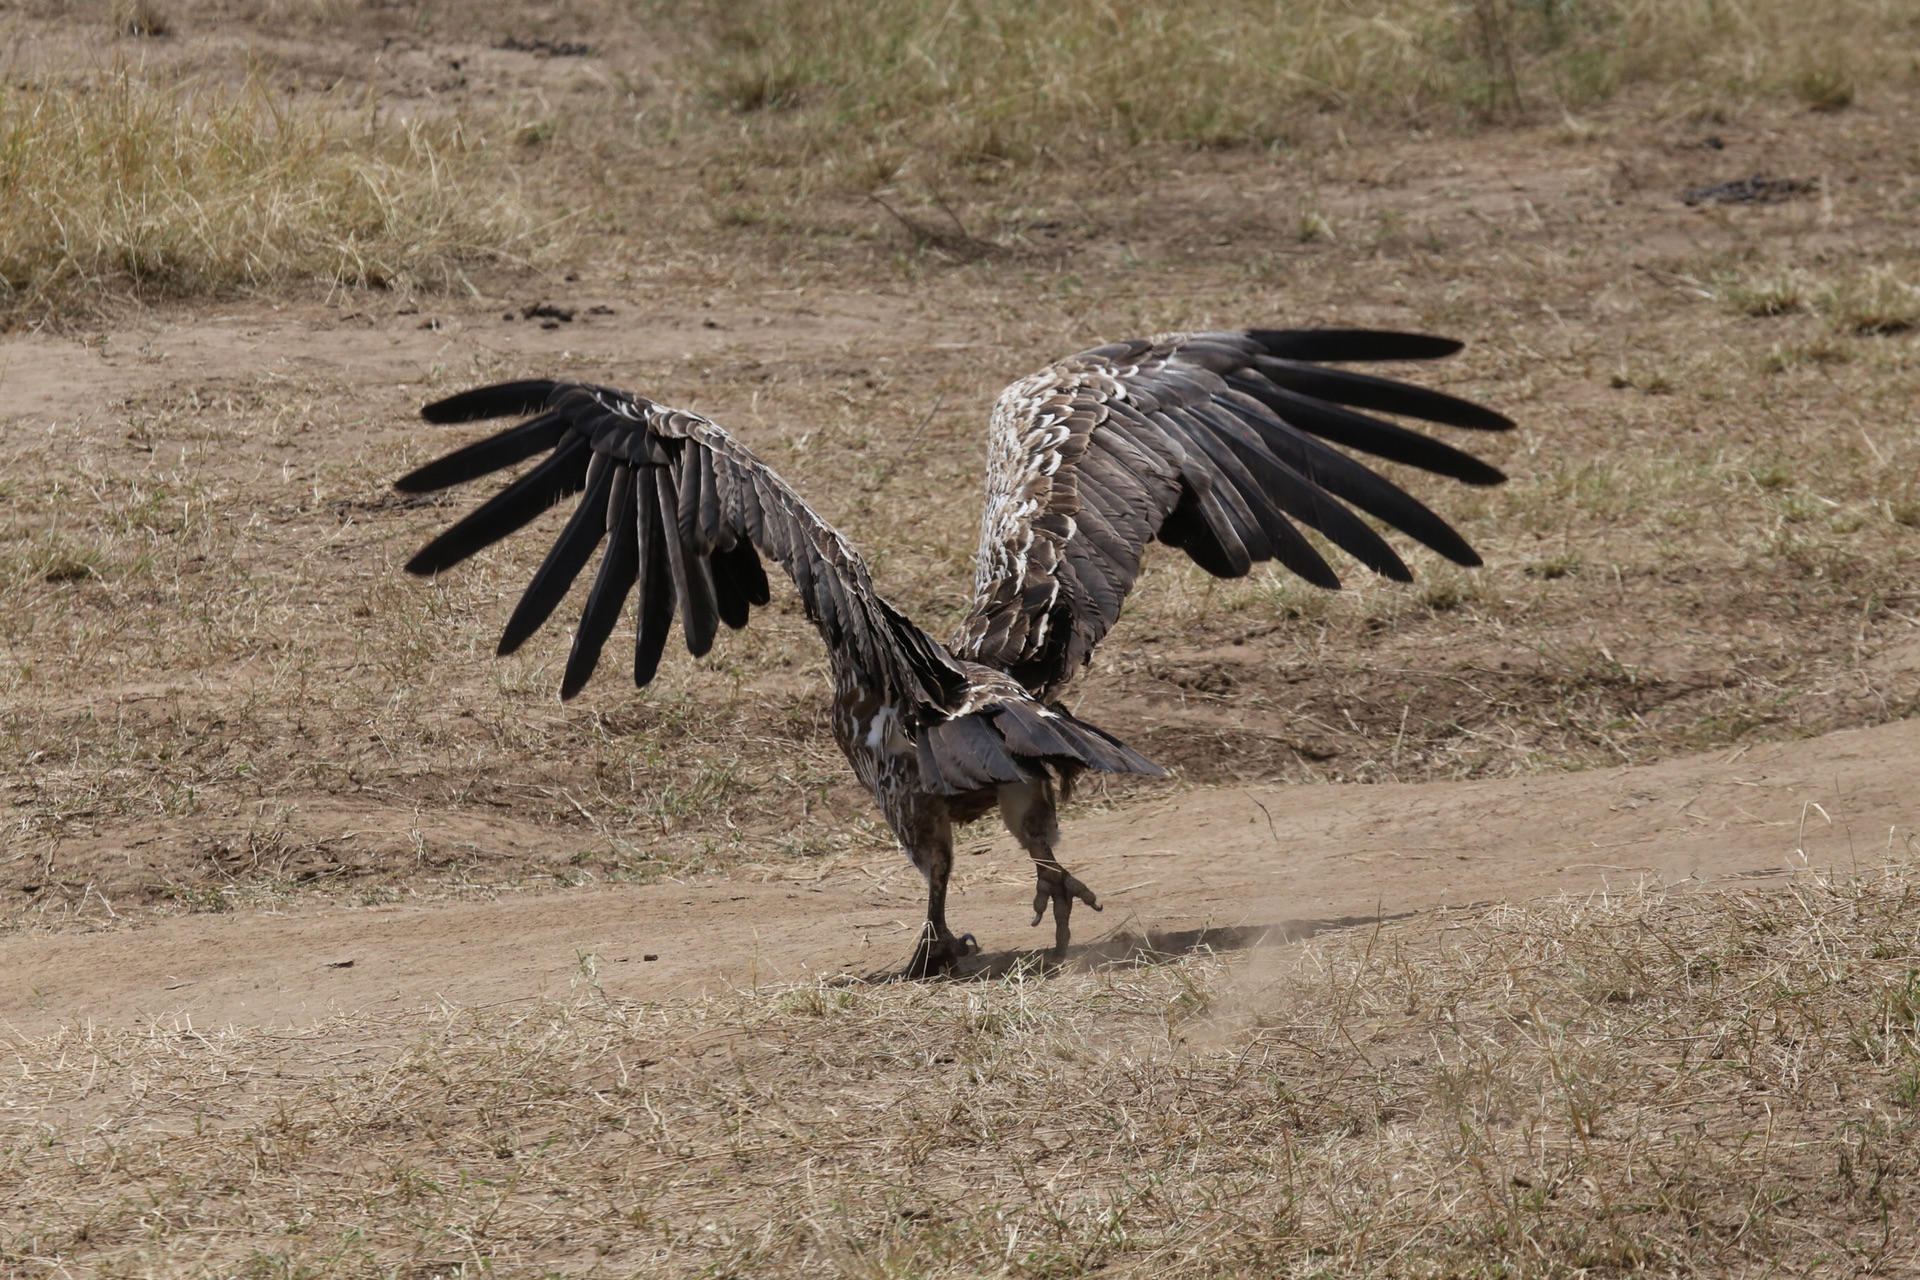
656,584
739,583
1305,501
1344,478
1371,435
618,569
706,601
698,618
1351,344
501,400
688,483
743,562
495,453
1197,528
510,510
1364,391
570,553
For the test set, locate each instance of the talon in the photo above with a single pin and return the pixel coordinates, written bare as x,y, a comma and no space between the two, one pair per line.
936,954
1083,893
1054,885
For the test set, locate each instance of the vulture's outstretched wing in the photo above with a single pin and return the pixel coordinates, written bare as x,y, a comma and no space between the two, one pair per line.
1215,443
688,511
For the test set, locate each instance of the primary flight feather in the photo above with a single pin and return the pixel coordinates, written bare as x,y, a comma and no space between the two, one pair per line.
1220,444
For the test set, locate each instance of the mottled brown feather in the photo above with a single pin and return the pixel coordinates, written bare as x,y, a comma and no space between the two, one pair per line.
1182,438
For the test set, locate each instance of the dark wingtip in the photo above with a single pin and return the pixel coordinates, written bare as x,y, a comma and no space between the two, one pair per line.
441,554
424,564
429,477
1320,575
1481,418
498,401
1353,344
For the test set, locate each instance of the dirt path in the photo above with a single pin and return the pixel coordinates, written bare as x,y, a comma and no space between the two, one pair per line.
1272,861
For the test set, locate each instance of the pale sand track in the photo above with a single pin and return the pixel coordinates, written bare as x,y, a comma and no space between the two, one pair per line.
1332,855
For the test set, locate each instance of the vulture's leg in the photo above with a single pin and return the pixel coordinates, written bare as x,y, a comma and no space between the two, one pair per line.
1028,810
928,838
1054,883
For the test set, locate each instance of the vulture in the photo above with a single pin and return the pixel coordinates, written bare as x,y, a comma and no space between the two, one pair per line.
1225,445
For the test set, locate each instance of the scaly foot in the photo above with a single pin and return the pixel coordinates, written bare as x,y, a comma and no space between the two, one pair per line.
1053,884
938,952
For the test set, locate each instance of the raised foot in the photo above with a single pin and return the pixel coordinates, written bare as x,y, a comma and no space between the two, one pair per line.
938,953
1054,884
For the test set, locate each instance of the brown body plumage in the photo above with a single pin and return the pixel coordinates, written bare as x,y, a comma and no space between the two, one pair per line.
1215,443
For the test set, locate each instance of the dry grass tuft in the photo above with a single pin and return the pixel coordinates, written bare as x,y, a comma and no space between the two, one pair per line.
1879,302
1873,300
142,18
121,187
1826,85
1683,1083
1774,293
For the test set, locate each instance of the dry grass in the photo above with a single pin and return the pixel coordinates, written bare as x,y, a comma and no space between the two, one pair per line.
993,84
1687,1083
1875,299
119,187
1883,301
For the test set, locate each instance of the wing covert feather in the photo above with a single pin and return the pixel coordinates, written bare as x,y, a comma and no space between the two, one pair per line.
1215,443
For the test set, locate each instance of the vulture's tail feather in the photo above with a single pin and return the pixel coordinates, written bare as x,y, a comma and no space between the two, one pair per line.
1012,743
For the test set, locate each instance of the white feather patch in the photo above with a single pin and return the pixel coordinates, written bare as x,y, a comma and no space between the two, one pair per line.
884,733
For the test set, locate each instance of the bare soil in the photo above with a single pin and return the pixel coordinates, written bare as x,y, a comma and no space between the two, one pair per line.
1214,869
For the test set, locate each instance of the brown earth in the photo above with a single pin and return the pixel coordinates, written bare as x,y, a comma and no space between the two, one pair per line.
1224,869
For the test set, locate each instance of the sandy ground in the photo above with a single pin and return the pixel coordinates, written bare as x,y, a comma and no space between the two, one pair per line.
1222,868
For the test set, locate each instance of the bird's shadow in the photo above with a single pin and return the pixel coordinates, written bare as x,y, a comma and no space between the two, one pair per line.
1130,948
